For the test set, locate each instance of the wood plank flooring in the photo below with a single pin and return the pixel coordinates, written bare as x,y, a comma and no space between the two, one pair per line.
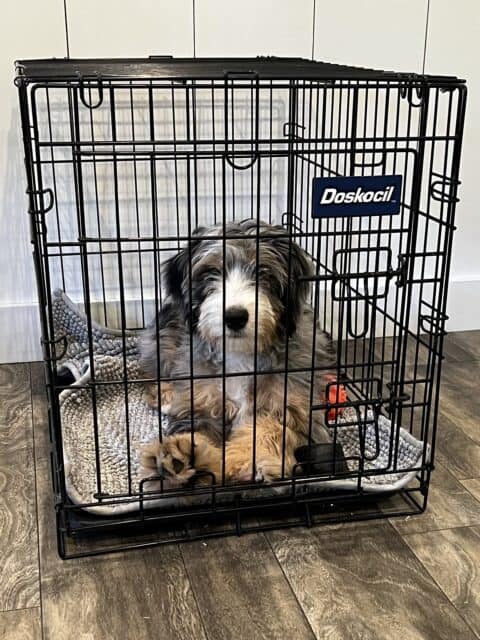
415,578
19,577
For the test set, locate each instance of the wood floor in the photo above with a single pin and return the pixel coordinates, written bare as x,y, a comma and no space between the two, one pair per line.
413,578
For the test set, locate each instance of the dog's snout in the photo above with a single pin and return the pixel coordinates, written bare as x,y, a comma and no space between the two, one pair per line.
236,318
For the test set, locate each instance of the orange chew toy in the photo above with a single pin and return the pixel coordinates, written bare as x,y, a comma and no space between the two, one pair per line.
336,393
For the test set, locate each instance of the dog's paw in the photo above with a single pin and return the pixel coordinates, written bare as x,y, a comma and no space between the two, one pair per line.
263,473
259,475
170,460
267,471
244,474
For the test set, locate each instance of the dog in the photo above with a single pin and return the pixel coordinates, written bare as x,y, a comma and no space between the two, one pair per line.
238,341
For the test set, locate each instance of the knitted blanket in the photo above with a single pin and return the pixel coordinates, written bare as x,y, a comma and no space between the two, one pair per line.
104,459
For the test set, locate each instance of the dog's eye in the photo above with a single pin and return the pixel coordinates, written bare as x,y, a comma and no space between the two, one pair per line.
211,273
177,465
269,279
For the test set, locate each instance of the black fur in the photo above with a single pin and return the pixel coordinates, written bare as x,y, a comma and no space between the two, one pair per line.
176,279
297,264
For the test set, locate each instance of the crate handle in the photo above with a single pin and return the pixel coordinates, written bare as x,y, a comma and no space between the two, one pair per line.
242,75
350,314
81,86
292,221
370,165
63,340
42,192
289,127
433,325
407,89
441,188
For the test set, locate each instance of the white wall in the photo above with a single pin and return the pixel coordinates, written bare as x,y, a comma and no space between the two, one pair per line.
453,46
378,33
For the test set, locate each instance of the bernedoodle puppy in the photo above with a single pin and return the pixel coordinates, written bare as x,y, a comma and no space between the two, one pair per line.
239,344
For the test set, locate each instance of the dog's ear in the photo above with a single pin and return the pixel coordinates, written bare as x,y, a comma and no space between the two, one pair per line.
176,269
299,266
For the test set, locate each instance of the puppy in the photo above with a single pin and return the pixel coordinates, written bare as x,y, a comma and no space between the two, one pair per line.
245,360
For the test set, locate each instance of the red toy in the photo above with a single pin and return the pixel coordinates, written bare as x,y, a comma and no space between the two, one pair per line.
336,394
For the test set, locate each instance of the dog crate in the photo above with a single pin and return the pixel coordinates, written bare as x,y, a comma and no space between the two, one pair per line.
125,159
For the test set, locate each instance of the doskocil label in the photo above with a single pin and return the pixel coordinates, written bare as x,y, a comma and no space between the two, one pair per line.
356,196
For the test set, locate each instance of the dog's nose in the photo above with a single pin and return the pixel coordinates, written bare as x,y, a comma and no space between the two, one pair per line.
236,318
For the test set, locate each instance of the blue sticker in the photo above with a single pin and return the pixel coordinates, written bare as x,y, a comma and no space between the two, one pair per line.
356,196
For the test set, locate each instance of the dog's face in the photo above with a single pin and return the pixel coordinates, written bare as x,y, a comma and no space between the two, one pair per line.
240,290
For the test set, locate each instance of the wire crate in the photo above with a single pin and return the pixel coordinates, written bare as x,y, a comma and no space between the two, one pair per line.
350,175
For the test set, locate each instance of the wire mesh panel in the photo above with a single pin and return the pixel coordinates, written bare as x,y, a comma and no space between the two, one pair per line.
233,338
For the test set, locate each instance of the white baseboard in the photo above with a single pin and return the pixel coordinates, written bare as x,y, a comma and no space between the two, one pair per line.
20,326
463,307
19,332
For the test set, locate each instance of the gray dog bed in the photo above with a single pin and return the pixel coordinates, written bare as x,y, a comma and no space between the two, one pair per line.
111,358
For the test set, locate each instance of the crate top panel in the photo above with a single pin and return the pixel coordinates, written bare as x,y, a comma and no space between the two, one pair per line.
168,67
